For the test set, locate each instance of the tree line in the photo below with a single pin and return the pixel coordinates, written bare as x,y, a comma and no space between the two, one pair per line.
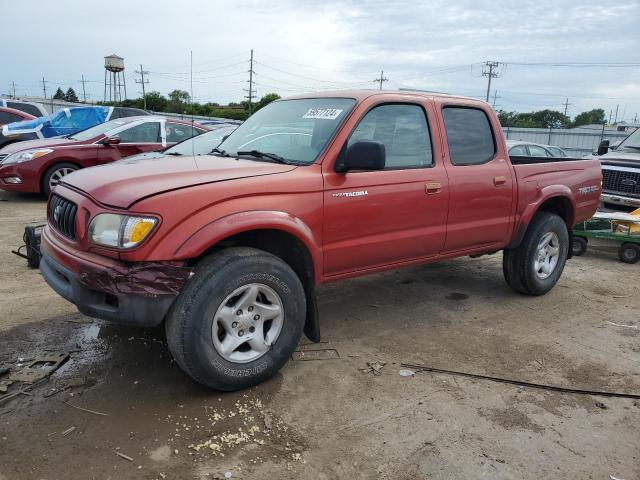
550,119
70,96
179,101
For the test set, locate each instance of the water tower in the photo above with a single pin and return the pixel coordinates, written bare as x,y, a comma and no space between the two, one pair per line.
114,78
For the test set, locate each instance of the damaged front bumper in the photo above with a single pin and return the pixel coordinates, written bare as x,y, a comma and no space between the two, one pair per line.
138,295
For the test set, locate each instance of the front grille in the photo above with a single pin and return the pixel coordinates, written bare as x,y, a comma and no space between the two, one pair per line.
62,216
617,181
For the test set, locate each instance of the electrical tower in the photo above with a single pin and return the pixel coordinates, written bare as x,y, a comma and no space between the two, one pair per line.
114,78
251,92
142,72
490,70
381,79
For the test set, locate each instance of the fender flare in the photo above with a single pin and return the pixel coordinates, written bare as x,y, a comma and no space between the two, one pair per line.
218,230
544,194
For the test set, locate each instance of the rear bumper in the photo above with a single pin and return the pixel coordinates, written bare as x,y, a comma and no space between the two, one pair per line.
620,200
140,295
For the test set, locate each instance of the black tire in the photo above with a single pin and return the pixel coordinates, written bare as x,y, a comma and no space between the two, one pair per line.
629,253
579,246
46,178
190,320
518,263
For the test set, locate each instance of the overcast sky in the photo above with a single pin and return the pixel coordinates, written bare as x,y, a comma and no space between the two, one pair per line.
302,45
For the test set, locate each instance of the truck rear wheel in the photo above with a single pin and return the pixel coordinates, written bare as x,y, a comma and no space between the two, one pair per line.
238,320
534,267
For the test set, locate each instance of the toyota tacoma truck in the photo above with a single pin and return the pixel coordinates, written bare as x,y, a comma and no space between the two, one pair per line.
227,249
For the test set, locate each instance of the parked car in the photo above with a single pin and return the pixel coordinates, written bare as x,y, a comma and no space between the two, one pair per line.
32,108
10,115
38,165
228,248
64,122
528,149
199,145
621,173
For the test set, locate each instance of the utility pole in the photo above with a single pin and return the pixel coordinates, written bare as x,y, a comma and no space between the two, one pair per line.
142,81
13,87
489,70
566,106
381,79
44,88
615,121
84,91
250,92
495,97
635,118
610,115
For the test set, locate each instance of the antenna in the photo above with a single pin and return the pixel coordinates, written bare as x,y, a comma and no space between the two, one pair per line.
193,153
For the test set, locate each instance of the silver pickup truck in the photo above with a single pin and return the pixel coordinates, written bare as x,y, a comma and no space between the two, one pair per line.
621,173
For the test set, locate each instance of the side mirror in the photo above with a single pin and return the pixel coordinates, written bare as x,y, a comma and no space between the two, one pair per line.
115,140
603,147
363,156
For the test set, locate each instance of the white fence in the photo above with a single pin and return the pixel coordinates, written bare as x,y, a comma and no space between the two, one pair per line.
575,143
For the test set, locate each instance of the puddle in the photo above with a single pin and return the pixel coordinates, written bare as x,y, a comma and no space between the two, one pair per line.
457,296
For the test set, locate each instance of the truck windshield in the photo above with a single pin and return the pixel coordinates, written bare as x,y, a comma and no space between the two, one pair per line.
631,142
295,130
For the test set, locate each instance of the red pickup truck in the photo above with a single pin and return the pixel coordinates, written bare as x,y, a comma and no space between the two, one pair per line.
227,248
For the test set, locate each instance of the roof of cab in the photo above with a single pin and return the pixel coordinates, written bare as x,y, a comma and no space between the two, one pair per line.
360,95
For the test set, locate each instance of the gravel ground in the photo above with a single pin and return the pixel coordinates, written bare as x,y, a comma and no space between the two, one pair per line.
322,416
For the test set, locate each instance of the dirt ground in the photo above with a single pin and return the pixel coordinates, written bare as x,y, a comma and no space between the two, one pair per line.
322,417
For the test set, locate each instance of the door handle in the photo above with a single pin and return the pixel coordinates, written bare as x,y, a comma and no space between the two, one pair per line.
499,180
432,188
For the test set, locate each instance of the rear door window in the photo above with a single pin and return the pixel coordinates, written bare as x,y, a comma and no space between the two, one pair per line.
536,151
148,132
469,135
177,132
518,151
403,130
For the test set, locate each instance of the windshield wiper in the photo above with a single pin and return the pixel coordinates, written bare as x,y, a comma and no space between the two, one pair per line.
177,154
270,156
635,147
221,152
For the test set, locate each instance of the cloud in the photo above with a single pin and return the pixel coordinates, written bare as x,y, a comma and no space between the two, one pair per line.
314,45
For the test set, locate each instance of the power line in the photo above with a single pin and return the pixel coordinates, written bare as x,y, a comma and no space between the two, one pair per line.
381,79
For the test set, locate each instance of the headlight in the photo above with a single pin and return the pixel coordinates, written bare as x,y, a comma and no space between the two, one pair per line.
26,155
120,231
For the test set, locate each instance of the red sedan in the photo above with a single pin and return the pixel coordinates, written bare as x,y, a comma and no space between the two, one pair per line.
38,165
10,115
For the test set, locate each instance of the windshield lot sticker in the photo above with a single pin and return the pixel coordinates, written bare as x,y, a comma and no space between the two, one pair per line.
323,113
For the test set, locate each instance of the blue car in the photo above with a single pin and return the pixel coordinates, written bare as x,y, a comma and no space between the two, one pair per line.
64,122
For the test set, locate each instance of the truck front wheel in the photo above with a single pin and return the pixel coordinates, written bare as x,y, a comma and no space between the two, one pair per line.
238,320
534,267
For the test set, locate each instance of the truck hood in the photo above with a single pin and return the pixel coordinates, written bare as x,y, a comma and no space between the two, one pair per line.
626,158
123,183
40,143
